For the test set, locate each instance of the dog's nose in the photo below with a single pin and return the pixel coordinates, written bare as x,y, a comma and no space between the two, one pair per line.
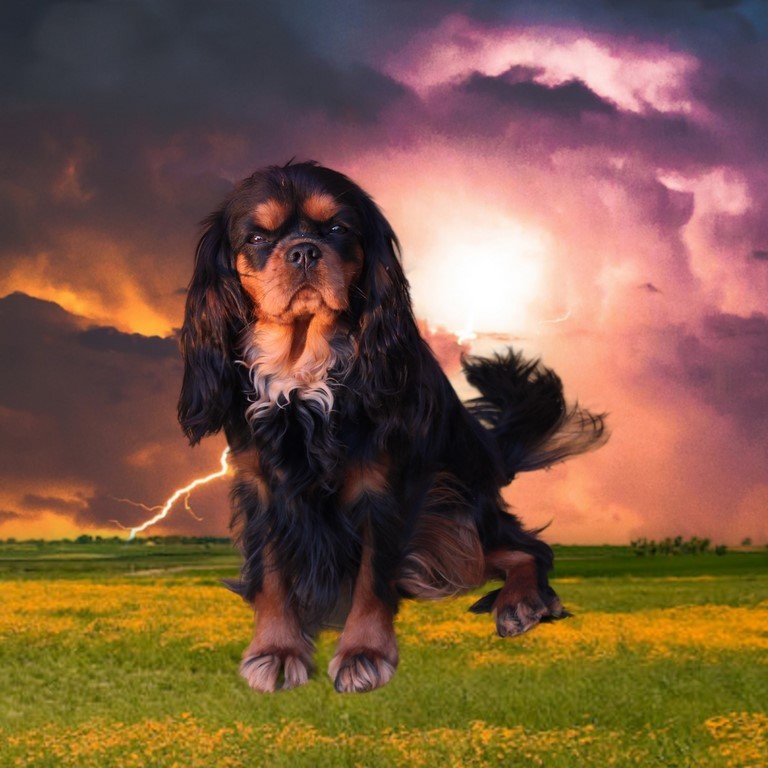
303,255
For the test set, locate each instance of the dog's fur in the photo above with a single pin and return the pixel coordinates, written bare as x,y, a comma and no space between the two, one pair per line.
360,478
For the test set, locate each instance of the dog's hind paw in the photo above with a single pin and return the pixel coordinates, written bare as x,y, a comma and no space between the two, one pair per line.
517,617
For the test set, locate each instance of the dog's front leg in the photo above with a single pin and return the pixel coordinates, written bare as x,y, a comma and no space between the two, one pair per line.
366,656
280,654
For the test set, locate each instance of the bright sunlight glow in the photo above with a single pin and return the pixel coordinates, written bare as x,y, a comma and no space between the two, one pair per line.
480,279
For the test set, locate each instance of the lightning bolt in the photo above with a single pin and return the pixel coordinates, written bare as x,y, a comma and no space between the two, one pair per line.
181,492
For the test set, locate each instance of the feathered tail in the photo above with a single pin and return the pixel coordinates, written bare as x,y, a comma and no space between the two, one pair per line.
522,404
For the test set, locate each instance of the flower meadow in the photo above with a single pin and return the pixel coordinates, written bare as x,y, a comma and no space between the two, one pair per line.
118,670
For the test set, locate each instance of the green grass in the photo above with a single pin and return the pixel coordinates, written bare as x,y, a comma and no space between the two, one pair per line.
99,559
120,655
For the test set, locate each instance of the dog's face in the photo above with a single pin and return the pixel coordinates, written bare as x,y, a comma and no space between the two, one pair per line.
297,247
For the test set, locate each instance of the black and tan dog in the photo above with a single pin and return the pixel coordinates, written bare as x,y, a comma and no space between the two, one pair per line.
360,477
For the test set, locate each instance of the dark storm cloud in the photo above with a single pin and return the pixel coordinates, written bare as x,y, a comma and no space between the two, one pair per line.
730,79
693,23
123,124
131,94
88,417
111,340
571,99
34,502
529,119
693,20
175,61
88,420
129,121
725,364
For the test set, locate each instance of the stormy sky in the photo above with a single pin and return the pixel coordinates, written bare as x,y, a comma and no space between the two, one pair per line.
586,179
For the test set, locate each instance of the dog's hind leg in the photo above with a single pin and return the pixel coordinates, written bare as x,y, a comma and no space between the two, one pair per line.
525,599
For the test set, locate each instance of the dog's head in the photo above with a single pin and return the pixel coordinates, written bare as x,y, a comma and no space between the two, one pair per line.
290,244
296,235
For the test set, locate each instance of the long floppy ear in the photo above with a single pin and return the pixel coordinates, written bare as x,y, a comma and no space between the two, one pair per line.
214,317
391,353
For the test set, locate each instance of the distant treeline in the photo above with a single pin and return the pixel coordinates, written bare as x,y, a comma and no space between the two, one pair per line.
641,547
676,546
156,540
182,540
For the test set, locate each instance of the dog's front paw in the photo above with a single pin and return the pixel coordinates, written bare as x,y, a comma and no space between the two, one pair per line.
361,671
268,670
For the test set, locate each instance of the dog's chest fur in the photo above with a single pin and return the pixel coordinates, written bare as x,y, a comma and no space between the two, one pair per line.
294,362
295,372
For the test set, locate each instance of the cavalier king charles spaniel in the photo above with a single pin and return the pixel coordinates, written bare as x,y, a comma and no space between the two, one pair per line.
360,478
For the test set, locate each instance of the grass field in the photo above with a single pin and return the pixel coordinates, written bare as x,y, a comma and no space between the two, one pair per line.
126,655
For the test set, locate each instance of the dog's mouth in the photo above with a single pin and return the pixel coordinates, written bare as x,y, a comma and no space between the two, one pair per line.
307,299
305,290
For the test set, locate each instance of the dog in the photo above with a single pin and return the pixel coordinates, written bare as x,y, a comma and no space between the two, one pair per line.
360,478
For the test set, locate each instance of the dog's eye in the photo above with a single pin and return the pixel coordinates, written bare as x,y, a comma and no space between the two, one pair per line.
338,229
257,238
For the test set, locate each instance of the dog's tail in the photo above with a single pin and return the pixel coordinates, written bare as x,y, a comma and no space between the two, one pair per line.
522,404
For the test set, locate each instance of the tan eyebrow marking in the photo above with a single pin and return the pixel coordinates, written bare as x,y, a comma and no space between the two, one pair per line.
271,214
320,206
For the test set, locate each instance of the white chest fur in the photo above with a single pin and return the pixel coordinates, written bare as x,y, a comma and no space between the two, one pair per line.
292,361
